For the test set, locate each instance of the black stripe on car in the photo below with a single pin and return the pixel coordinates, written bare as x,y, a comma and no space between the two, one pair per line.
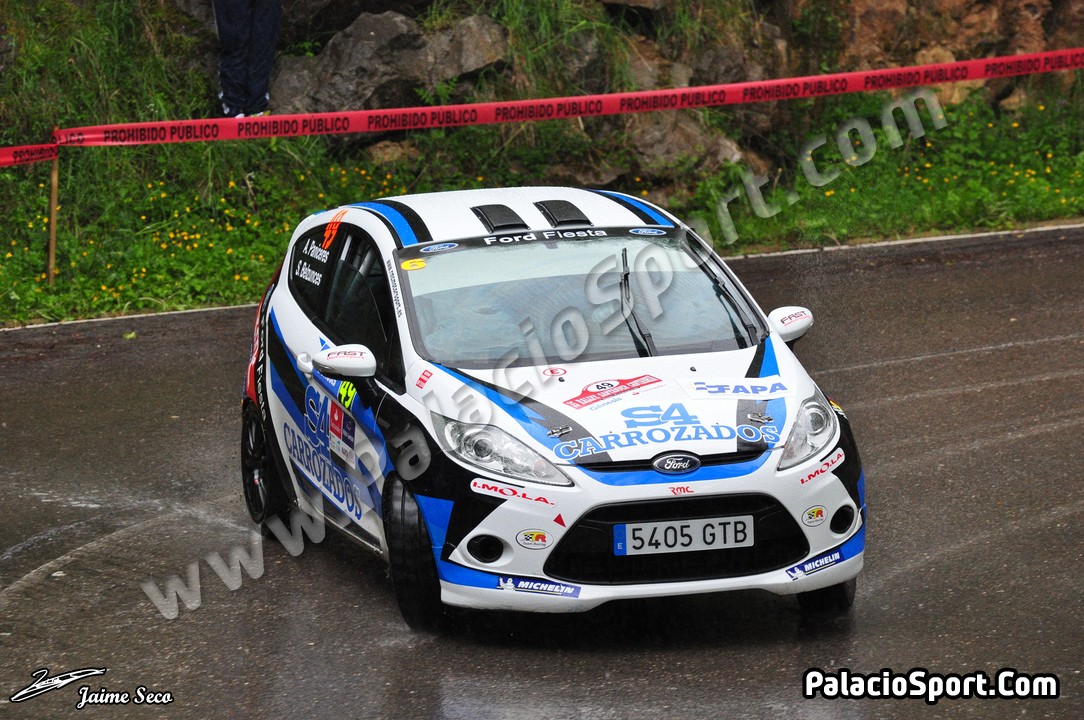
758,361
551,418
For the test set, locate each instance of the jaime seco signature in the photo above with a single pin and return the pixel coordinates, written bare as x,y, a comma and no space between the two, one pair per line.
43,683
102,696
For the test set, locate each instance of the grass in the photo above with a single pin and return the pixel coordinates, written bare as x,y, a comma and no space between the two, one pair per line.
983,171
161,227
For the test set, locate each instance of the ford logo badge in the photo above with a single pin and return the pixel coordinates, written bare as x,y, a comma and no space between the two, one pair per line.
676,463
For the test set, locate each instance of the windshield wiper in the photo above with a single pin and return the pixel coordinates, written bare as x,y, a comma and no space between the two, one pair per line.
723,293
645,346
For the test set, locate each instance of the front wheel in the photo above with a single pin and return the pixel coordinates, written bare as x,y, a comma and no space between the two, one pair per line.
264,496
410,556
832,599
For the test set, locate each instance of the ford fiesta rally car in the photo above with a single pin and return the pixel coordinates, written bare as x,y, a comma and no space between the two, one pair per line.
544,399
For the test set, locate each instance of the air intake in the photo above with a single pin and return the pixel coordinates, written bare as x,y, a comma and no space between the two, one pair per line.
562,213
499,217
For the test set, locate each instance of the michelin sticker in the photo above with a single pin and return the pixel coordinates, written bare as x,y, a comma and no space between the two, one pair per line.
815,565
539,587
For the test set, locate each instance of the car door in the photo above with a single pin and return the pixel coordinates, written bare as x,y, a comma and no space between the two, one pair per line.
328,426
358,311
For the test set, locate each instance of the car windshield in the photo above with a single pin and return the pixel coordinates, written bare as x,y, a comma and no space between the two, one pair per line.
525,300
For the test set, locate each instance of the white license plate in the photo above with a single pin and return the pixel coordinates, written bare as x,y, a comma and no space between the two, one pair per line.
683,535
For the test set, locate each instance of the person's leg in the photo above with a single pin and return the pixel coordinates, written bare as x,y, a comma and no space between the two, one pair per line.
232,20
263,41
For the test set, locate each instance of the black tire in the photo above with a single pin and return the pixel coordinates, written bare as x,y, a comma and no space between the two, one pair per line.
834,599
260,484
410,557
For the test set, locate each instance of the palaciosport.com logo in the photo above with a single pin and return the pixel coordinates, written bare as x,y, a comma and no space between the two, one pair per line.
1008,683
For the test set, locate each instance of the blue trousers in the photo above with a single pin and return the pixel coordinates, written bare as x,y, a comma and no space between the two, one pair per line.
248,32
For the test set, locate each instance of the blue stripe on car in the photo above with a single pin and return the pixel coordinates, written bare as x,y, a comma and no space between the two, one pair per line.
395,218
646,209
770,364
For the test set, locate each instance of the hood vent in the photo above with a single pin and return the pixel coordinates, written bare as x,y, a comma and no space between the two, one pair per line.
499,217
562,213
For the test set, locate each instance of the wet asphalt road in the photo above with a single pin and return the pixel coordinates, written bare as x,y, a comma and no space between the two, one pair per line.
960,364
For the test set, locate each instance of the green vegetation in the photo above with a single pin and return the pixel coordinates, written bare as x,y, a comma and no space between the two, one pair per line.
981,171
155,227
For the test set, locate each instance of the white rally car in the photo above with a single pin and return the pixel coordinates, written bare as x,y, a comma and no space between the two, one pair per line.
545,399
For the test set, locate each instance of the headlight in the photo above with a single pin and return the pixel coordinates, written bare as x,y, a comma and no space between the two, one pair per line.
492,449
814,428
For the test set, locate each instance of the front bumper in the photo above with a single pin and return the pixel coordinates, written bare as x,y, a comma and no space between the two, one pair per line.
569,564
547,595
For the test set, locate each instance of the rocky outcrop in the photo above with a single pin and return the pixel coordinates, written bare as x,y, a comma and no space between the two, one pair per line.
887,33
382,61
893,32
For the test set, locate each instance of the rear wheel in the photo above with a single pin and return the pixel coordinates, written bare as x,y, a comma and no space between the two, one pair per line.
832,599
410,556
264,496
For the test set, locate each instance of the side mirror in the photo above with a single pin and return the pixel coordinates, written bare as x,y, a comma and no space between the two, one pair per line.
791,322
345,362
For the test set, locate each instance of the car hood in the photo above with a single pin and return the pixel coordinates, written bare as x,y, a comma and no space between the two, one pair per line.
630,411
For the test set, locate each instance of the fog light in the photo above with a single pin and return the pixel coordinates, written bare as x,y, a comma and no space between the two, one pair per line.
842,520
485,548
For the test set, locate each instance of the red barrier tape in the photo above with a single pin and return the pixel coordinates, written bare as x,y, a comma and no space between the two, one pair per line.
419,118
27,154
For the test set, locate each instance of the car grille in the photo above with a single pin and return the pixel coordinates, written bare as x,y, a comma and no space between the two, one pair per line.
585,553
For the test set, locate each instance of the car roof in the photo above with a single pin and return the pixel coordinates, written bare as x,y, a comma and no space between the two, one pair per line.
459,214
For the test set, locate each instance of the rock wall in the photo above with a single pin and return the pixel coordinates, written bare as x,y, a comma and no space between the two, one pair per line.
382,61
